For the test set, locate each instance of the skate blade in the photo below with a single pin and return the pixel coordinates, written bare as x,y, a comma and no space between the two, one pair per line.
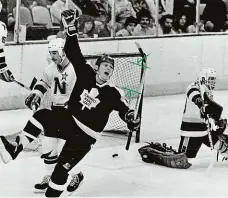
37,191
4,154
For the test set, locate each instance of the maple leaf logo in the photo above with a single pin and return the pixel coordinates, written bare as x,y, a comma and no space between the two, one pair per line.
88,99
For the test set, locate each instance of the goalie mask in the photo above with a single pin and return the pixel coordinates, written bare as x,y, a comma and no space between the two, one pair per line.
207,77
57,45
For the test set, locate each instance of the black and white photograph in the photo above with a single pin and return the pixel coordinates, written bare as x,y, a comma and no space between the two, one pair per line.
113,98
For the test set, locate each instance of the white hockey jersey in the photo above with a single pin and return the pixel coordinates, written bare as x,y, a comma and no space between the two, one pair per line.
60,83
3,35
193,125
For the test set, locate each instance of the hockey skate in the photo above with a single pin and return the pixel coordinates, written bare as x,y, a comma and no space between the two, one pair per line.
9,151
76,181
42,187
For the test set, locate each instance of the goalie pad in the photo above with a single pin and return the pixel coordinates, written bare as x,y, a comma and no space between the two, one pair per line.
164,156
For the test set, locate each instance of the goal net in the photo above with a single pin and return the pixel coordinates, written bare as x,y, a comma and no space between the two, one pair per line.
127,77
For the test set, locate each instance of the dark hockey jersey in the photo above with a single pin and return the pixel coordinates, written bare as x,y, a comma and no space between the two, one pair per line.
91,103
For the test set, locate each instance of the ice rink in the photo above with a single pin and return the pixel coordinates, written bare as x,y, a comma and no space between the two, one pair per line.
125,175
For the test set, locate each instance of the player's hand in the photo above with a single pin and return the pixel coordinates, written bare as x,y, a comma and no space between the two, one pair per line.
70,21
132,124
33,101
6,76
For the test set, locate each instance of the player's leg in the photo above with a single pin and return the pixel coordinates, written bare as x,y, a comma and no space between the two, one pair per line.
40,121
50,156
190,145
77,145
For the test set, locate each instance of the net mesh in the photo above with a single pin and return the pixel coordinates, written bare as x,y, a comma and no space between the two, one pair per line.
126,76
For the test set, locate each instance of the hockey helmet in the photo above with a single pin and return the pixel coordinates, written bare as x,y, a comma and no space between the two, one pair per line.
207,77
104,58
57,45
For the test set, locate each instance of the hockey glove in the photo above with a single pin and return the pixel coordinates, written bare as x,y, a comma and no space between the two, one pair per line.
221,126
70,21
132,124
6,75
33,101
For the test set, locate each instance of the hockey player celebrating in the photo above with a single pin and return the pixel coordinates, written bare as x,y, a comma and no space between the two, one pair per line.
201,122
5,74
81,121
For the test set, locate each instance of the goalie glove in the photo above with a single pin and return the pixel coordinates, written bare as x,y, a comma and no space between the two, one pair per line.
132,124
221,124
70,21
164,156
6,75
33,101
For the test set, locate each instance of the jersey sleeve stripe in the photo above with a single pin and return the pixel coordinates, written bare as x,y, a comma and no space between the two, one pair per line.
2,66
190,91
2,59
195,97
41,88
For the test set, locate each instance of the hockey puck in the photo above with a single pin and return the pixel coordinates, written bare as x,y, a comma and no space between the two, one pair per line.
115,155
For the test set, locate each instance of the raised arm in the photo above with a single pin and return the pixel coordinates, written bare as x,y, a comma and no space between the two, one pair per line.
72,48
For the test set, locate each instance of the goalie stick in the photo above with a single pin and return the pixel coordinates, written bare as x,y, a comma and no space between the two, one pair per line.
144,64
210,125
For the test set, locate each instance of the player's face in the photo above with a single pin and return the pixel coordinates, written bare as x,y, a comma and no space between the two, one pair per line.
211,82
55,57
105,70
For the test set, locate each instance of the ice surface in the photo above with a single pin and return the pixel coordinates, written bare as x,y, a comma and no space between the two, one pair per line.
125,175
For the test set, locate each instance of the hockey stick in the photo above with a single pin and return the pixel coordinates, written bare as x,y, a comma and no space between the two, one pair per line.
26,87
144,64
209,124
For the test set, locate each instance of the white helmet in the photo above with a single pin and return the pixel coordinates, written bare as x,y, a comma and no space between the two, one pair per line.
57,45
207,77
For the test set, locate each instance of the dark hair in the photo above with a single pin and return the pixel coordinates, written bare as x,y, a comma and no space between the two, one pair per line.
143,13
164,17
129,20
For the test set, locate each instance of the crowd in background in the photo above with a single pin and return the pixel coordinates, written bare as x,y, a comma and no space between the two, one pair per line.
132,17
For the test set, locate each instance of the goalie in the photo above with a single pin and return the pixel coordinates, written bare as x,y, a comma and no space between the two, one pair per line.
85,115
201,117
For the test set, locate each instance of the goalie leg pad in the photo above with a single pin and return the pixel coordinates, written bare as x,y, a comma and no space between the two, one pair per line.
162,155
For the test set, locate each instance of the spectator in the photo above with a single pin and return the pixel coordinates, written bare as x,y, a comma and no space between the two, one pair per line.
186,7
138,5
193,28
166,23
129,27
124,9
143,28
181,25
215,13
86,27
106,30
58,7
